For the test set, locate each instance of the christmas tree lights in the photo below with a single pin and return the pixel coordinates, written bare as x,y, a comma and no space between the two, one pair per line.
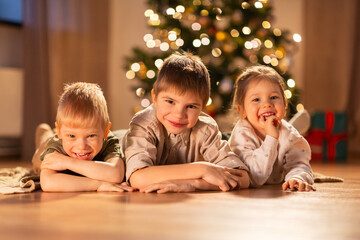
228,35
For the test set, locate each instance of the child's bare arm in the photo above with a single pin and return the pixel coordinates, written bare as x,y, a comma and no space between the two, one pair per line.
224,178
53,181
191,185
111,171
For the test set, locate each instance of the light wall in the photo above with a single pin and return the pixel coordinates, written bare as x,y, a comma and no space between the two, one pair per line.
127,29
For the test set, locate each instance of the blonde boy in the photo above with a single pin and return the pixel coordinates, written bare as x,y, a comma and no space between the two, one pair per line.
84,155
172,146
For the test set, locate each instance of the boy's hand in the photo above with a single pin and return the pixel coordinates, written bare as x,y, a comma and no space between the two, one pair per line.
225,178
171,186
114,187
297,184
271,125
55,161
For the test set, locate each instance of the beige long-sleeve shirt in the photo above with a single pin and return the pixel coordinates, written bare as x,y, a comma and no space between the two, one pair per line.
149,144
271,161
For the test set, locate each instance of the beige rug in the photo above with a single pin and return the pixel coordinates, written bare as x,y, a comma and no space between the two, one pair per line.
18,180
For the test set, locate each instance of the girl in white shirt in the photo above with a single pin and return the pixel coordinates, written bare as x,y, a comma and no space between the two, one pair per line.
272,149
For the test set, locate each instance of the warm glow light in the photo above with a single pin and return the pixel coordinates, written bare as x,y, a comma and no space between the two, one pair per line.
291,83
279,54
234,33
154,17
148,13
150,74
216,52
246,30
297,37
135,67
245,5
300,107
148,37
179,42
267,59
158,63
204,13
197,43
164,46
255,44
268,44
145,103
288,94
277,32
150,44
172,36
209,102
177,15
248,45
170,11
140,92
266,24
180,8
205,41
197,2
274,62
258,5
196,26
130,74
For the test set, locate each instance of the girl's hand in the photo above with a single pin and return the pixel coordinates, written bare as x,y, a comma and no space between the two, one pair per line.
272,126
114,187
297,184
55,161
171,186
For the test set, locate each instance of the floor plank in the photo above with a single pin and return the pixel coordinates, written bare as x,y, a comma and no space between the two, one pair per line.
332,212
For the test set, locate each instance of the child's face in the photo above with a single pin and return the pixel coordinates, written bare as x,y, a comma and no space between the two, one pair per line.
82,143
177,112
262,100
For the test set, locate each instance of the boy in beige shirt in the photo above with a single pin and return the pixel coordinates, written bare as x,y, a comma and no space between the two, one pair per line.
172,146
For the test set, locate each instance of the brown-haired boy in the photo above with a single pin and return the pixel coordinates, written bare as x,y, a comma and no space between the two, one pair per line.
172,146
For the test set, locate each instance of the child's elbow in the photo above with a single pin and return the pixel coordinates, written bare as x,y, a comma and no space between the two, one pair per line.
46,185
137,181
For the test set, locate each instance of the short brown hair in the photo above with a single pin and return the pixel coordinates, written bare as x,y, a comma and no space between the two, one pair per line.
184,72
82,104
252,73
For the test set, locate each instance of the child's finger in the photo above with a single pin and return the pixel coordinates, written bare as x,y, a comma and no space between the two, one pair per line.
224,187
237,172
301,186
285,185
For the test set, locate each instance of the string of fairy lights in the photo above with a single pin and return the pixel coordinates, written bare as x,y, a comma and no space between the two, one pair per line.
215,33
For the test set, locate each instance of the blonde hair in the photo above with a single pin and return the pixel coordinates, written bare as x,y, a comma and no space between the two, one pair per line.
82,104
184,72
256,73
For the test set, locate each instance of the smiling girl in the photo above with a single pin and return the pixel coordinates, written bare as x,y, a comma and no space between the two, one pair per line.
272,148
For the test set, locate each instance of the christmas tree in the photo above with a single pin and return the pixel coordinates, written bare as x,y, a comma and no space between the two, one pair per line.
228,35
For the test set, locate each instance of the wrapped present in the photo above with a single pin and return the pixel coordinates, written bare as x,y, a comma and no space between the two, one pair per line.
328,136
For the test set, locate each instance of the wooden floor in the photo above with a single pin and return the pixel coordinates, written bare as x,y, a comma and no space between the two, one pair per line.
332,212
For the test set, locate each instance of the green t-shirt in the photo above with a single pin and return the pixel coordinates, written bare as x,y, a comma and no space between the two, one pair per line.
111,148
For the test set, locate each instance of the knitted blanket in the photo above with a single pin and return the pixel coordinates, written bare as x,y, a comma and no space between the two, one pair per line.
18,180
318,178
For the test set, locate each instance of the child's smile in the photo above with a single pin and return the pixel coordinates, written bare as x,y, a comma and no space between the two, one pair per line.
263,100
81,143
177,112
